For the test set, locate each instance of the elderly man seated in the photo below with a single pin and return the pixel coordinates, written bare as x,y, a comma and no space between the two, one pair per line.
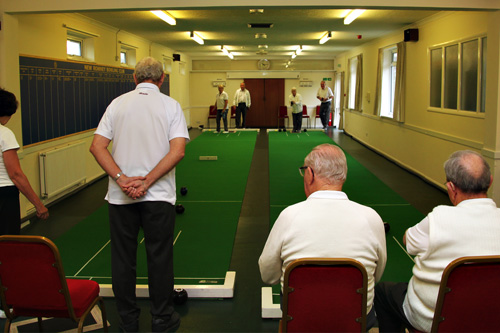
471,227
326,225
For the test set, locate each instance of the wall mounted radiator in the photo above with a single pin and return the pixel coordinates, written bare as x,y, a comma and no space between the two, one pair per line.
62,168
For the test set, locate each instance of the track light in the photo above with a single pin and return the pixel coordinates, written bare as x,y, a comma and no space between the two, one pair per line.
226,52
194,36
354,14
165,16
326,37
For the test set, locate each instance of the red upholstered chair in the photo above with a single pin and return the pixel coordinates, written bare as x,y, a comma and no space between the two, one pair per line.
468,298
317,115
212,114
324,295
233,115
283,114
33,284
305,115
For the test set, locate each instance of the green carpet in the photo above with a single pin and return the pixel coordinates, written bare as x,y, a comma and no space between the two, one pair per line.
286,154
204,233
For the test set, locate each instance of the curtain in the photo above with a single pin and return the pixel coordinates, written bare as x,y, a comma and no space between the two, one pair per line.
399,90
359,83
378,86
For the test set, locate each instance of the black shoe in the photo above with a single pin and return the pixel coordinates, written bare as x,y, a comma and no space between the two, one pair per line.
166,324
131,327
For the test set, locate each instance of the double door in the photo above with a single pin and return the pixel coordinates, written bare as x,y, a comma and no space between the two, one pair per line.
267,96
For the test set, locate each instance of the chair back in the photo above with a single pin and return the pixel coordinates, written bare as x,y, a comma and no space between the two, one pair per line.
304,110
283,112
468,298
324,295
233,111
213,110
317,110
31,275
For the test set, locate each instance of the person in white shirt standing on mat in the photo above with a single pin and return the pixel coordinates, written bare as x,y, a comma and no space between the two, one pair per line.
221,100
296,104
326,225
242,101
325,95
149,135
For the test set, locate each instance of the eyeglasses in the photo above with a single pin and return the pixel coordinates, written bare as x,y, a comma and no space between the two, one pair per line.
302,168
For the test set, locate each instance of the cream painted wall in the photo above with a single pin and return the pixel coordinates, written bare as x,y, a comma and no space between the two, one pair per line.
202,92
43,35
425,140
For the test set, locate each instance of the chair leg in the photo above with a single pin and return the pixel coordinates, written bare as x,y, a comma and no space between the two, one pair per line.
103,313
8,321
40,327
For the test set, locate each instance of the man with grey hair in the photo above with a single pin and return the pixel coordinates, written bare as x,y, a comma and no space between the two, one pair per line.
325,95
296,104
149,135
471,227
326,225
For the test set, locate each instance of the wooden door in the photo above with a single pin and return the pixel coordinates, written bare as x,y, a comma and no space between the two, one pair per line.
267,96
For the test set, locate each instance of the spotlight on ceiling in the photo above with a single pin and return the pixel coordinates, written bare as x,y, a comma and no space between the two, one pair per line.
165,16
194,36
326,37
260,35
354,14
256,11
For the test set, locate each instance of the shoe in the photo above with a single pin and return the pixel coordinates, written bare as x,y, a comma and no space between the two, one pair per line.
225,132
131,327
161,324
2,315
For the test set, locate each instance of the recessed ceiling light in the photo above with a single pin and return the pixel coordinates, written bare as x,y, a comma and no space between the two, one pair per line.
263,46
260,35
256,11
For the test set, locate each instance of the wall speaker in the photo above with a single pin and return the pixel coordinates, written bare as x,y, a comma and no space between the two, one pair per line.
177,57
411,35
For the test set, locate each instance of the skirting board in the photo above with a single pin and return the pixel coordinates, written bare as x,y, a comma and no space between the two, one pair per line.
225,290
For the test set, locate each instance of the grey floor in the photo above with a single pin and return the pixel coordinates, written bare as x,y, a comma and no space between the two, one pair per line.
243,312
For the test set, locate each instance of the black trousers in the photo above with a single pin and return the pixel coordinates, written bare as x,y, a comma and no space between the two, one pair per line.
157,219
297,121
10,211
389,298
324,113
241,113
221,114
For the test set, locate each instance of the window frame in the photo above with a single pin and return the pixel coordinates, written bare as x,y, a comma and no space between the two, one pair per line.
79,40
388,81
480,84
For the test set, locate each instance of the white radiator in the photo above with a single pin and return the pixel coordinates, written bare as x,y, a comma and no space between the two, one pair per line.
62,168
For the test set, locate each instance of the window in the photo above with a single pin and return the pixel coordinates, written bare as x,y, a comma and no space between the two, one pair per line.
74,47
351,101
389,62
123,57
458,76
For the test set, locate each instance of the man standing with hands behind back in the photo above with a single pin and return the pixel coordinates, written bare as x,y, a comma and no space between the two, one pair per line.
149,135
242,102
325,95
221,100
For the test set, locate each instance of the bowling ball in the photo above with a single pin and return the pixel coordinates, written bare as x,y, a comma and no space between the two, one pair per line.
180,296
279,129
184,190
179,209
305,129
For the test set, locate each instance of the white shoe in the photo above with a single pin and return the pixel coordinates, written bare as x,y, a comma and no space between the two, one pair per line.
2,314
225,132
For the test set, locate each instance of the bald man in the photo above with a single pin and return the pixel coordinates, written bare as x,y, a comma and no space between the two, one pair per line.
296,104
471,227
242,101
326,225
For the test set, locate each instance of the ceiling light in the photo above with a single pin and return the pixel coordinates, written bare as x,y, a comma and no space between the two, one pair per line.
226,52
194,36
299,50
260,35
165,16
256,11
294,55
326,37
354,14
263,46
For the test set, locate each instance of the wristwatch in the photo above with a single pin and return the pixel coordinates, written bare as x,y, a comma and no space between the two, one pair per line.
118,175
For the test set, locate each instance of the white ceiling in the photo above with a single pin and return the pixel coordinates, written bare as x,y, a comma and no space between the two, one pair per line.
292,27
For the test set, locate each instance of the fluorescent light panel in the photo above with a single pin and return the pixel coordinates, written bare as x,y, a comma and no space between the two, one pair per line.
299,50
226,52
354,14
165,16
326,37
194,36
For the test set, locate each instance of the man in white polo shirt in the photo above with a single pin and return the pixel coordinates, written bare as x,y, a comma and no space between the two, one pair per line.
149,134
326,225
471,227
